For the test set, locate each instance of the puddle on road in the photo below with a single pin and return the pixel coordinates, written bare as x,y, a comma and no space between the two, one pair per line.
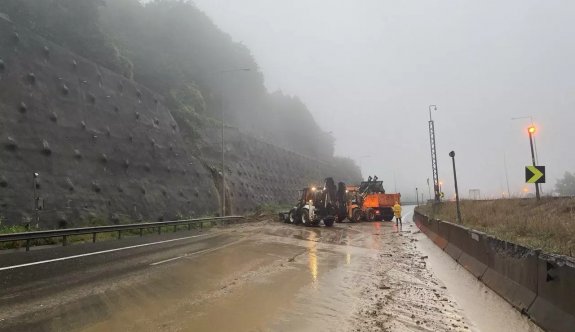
287,278
487,310
240,288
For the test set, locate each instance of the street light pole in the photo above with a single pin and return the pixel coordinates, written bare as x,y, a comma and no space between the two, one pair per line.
35,176
434,155
223,208
452,155
531,130
417,195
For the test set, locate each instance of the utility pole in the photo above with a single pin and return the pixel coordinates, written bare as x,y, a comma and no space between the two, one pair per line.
434,154
417,195
531,130
221,72
452,155
506,175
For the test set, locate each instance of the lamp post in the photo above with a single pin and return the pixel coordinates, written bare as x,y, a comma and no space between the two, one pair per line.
35,176
221,73
534,142
452,155
531,130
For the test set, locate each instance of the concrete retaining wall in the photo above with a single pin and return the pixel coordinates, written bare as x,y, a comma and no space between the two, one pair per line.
107,148
539,285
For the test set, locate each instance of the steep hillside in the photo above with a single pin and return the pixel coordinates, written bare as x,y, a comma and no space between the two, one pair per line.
109,148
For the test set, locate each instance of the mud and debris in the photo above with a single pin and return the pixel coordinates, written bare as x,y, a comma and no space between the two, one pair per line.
258,276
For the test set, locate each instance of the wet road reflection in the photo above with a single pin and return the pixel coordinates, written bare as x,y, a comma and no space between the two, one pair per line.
312,256
270,276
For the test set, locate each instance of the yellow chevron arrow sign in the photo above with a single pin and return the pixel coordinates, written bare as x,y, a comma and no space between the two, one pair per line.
535,174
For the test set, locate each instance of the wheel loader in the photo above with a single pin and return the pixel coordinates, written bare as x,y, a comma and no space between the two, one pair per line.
368,201
315,205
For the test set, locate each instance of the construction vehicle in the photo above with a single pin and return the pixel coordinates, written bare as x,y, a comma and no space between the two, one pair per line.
315,205
348,203
368,201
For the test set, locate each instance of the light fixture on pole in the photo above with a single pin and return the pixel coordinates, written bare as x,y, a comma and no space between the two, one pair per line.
531,130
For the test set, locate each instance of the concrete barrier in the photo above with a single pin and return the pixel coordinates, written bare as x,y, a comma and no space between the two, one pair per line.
511,272
442,235
554,307
539,285
431,225
473,255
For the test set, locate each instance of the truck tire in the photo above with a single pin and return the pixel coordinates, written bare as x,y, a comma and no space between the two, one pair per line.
388,217
356,215
292,217
328,222
305,217
370,215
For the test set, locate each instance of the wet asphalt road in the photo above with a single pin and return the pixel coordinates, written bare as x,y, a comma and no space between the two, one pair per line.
262,276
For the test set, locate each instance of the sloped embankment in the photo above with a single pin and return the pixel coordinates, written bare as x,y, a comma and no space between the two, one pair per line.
107,148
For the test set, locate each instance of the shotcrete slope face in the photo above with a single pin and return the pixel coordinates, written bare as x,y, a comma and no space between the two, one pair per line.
107,148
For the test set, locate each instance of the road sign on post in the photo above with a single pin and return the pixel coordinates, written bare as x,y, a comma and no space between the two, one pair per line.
535,174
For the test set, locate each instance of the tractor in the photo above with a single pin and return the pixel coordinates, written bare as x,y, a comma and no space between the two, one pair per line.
316,205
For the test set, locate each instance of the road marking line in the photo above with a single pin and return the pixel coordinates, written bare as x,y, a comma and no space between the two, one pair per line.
167,260
194,253
97,253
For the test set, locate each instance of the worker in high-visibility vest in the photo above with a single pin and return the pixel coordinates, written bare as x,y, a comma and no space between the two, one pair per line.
397,213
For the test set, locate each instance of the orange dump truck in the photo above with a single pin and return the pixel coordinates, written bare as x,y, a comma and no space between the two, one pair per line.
368,201
378,206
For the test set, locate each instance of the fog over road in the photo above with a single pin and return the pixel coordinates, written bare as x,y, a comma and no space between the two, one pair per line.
261,276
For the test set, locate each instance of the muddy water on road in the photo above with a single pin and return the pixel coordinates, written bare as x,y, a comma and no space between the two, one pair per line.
364,277
270,276
487,310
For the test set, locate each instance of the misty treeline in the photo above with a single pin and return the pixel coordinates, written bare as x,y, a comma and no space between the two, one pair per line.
566,185
176,50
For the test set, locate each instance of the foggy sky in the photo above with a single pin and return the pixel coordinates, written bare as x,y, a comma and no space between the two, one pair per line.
369,69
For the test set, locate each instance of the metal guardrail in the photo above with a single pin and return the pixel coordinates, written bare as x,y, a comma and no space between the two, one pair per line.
64,233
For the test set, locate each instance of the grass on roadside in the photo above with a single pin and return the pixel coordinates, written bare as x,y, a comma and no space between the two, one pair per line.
548,224
86,238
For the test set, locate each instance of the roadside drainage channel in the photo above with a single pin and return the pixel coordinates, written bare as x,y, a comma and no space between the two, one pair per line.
539,285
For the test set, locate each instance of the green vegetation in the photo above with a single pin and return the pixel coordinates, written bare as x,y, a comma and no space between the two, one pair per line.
267,209
86,238
566,185
548,224
175,49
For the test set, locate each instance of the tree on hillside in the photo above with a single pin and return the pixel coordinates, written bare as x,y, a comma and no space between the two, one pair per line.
73,24
566,185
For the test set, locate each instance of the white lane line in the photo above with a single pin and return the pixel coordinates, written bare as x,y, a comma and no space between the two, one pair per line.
194,253
97,253
167,260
